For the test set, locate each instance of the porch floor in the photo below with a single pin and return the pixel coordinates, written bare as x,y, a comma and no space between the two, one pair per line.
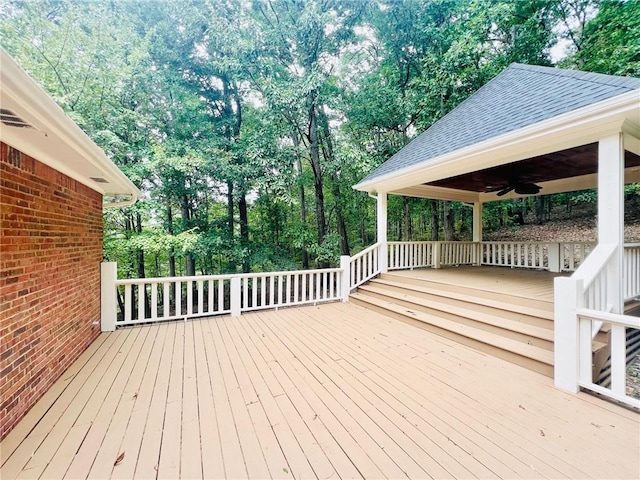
333,391
520,282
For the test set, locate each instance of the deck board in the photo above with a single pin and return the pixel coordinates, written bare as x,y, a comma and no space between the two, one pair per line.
331,391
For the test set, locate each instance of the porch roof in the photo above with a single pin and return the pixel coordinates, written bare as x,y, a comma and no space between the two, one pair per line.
548,116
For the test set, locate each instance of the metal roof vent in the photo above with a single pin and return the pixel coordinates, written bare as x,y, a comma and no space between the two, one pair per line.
99,180
11,119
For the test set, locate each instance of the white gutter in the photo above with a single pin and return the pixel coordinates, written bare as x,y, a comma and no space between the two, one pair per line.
577,127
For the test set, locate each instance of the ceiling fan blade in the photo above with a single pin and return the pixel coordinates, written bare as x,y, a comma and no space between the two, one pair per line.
504,191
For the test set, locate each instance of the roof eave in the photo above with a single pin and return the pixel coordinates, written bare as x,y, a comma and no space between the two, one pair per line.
54,127
574,128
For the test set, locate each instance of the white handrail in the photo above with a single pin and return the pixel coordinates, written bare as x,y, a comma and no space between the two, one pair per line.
618,346
364,265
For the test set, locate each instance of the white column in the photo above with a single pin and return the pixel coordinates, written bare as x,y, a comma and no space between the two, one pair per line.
477,222
381,226
611,211
345,266
108,298
477,233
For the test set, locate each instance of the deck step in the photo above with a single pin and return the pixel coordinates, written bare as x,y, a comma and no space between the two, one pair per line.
534,357
477,298
473,314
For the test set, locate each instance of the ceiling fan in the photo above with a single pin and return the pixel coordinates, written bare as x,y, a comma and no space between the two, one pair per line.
522,188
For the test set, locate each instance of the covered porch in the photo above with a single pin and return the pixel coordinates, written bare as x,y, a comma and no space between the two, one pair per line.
536,130
332,391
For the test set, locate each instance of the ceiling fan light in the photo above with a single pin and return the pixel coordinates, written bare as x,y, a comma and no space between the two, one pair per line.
528,189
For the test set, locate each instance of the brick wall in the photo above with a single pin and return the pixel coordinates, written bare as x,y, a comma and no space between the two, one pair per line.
50,254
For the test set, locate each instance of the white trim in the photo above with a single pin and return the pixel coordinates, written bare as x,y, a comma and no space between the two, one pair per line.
440,193
579,127
56,140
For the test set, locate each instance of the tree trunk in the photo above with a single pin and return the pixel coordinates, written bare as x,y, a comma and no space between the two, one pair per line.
303,207
141,270
244,231
172,252
540,209
335,187
449,221
190,263
435,220
407,219
314,151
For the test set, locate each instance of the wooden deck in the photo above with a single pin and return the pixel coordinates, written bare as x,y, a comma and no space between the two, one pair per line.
333,391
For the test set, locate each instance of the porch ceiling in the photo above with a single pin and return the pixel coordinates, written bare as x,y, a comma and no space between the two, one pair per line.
565,164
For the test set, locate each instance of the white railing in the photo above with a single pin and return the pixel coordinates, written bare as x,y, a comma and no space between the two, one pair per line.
618,358
582,303
631,269
516,254
145,300
364,265
286,289
553,256
572,254
410,255
156,299
457,253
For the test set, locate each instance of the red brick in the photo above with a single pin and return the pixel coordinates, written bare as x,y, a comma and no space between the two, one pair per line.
50,254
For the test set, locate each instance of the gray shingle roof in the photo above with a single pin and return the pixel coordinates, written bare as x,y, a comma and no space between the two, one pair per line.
519,96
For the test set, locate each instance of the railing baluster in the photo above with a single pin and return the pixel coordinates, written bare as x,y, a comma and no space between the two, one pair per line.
178,290
141,300
166,299
127,303
189,298
211,295
154,300
221,295
200,284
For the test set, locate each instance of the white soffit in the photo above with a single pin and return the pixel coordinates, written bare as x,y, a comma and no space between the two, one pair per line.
52,138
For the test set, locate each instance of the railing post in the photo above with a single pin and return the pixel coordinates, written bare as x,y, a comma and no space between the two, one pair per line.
568,298
477,253
381,231
437,247
108,298
235,296
553,257
345,266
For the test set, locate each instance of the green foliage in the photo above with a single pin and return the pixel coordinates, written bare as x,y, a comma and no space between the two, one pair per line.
611,41
245,124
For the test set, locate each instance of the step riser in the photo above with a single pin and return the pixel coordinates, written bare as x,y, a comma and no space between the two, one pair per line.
489,310
525,339
516,300
512,357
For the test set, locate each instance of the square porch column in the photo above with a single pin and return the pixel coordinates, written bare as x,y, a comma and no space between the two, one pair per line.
381,230
611,211
477,233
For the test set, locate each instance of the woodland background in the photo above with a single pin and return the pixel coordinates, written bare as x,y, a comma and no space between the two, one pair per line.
245,123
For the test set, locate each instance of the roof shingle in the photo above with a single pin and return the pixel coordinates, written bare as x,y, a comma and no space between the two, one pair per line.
520,96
